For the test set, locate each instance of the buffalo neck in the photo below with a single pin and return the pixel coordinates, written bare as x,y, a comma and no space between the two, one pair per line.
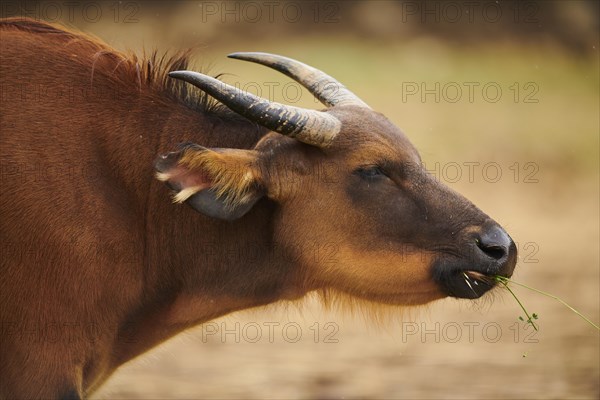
196,268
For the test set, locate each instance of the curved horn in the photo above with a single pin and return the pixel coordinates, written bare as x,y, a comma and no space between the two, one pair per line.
325,88
311,127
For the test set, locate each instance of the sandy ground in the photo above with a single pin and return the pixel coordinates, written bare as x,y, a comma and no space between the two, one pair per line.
451,349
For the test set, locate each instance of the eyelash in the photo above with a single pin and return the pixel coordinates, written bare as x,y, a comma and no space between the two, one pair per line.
371,171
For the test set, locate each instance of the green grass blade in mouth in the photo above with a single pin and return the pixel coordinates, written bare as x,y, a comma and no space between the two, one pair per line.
505,281
530,318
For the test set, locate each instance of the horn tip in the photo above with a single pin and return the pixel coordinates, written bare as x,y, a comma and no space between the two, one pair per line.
249,55
240,55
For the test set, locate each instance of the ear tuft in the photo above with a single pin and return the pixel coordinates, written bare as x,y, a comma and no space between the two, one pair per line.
230,171
186,193
222,183
163,177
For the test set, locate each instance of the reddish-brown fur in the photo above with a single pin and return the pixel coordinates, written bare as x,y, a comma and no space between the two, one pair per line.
103,248
99,266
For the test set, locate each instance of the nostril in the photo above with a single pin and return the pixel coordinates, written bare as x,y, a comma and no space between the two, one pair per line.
494,251
494,242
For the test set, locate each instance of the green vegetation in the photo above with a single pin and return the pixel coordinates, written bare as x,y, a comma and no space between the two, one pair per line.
505,282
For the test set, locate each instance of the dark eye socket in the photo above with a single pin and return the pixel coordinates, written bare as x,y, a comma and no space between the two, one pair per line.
371,172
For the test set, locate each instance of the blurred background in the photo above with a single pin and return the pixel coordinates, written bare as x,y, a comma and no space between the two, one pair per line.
502,100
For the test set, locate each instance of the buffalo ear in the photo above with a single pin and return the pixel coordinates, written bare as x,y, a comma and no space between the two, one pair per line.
220,183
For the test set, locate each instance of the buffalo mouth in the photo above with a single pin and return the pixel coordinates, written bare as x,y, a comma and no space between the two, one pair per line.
464,283
477,283
489,256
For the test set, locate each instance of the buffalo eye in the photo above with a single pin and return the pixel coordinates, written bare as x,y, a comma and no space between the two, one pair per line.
371,172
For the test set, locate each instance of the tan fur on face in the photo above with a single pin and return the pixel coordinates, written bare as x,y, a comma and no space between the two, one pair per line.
352,259
382,276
